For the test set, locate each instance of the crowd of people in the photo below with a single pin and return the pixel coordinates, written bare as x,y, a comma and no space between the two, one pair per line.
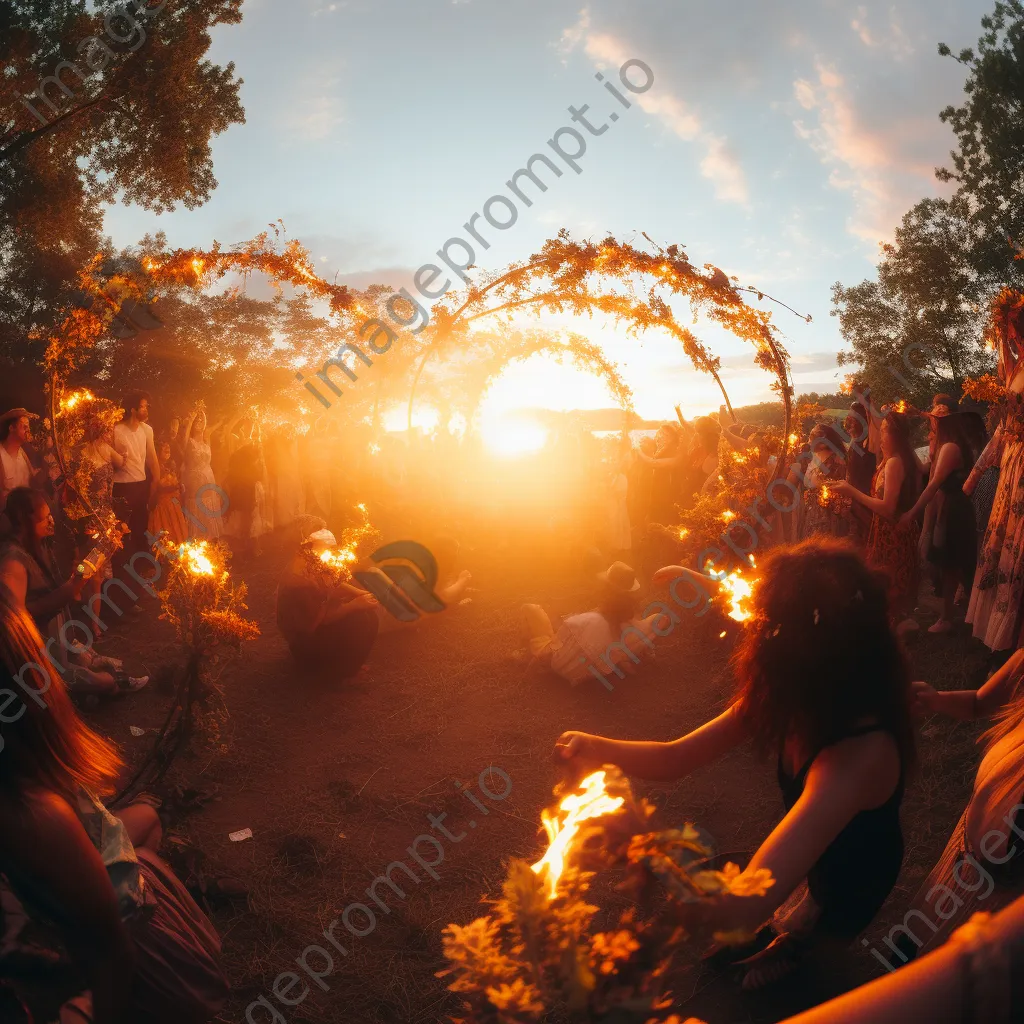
823,683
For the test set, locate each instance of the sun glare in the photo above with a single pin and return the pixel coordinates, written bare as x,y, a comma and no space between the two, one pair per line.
508,438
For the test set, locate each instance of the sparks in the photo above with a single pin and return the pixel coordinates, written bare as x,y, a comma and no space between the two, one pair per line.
591,800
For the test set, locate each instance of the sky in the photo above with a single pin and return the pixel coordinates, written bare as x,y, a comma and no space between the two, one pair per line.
782,142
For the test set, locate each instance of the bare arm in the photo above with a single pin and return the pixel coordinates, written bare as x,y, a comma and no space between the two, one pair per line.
931,989
884,506
989,457
948,462
970,704
50,847
659,762
117,460
852,776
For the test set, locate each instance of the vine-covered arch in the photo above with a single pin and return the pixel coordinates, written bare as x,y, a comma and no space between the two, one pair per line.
584,278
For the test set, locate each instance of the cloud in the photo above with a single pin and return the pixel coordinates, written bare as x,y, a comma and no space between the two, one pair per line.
320,110
720,164
895,40
869,163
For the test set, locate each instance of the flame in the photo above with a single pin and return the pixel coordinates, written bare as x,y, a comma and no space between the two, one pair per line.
738,590
684,533
590,801
196,559
728,515
793,438
824,496
69,403
900,406
197,265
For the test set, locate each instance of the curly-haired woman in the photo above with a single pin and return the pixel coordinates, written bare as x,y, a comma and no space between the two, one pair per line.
823,688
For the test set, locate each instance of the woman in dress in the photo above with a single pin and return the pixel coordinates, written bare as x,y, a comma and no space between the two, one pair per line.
822,688
142,949
202,498
982,867
245,487
892,545
166,517
996,598
821,515
949,538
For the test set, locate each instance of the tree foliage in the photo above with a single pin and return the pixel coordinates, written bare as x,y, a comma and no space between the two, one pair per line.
916,330
101,101
988,164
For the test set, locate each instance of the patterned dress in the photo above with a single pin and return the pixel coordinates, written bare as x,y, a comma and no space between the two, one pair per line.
893,549
995,608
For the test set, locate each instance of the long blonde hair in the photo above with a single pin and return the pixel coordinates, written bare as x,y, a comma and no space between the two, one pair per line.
47,744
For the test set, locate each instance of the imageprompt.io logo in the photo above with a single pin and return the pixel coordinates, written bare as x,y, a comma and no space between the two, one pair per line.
404,593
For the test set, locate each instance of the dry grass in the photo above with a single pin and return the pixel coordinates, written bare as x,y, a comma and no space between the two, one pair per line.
336,780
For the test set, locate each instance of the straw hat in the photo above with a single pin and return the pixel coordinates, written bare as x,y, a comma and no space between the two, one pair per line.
16,414
620,577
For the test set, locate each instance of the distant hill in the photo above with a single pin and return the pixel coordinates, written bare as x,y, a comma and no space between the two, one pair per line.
592,419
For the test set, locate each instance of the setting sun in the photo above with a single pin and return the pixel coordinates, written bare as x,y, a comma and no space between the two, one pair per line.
508,437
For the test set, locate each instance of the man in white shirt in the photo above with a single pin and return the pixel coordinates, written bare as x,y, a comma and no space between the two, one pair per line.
15,468
133,440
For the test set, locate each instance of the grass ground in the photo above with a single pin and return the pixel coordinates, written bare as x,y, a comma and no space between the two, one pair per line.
336,781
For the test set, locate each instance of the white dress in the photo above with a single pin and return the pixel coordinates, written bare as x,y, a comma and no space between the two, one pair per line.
205,516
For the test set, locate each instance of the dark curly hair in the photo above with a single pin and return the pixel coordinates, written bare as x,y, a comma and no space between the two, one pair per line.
819,656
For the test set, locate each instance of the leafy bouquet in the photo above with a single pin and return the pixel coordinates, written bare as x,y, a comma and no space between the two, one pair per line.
542,949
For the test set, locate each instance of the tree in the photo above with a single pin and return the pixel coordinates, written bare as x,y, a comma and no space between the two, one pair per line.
916,330
104,101
988,165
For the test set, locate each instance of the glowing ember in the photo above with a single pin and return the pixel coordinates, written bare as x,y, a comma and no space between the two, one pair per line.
590,801
723,634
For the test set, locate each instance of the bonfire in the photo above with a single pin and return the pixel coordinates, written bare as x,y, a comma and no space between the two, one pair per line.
545,947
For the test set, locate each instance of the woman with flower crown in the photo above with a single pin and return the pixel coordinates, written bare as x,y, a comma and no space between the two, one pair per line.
995,608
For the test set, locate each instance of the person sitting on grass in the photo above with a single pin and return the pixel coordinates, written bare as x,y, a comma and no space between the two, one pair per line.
143,952
330,625
824,689
608,638
28,570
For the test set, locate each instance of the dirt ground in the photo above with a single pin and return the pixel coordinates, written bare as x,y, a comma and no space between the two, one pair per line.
336,781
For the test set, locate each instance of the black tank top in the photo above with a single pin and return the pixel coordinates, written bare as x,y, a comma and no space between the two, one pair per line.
855,875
